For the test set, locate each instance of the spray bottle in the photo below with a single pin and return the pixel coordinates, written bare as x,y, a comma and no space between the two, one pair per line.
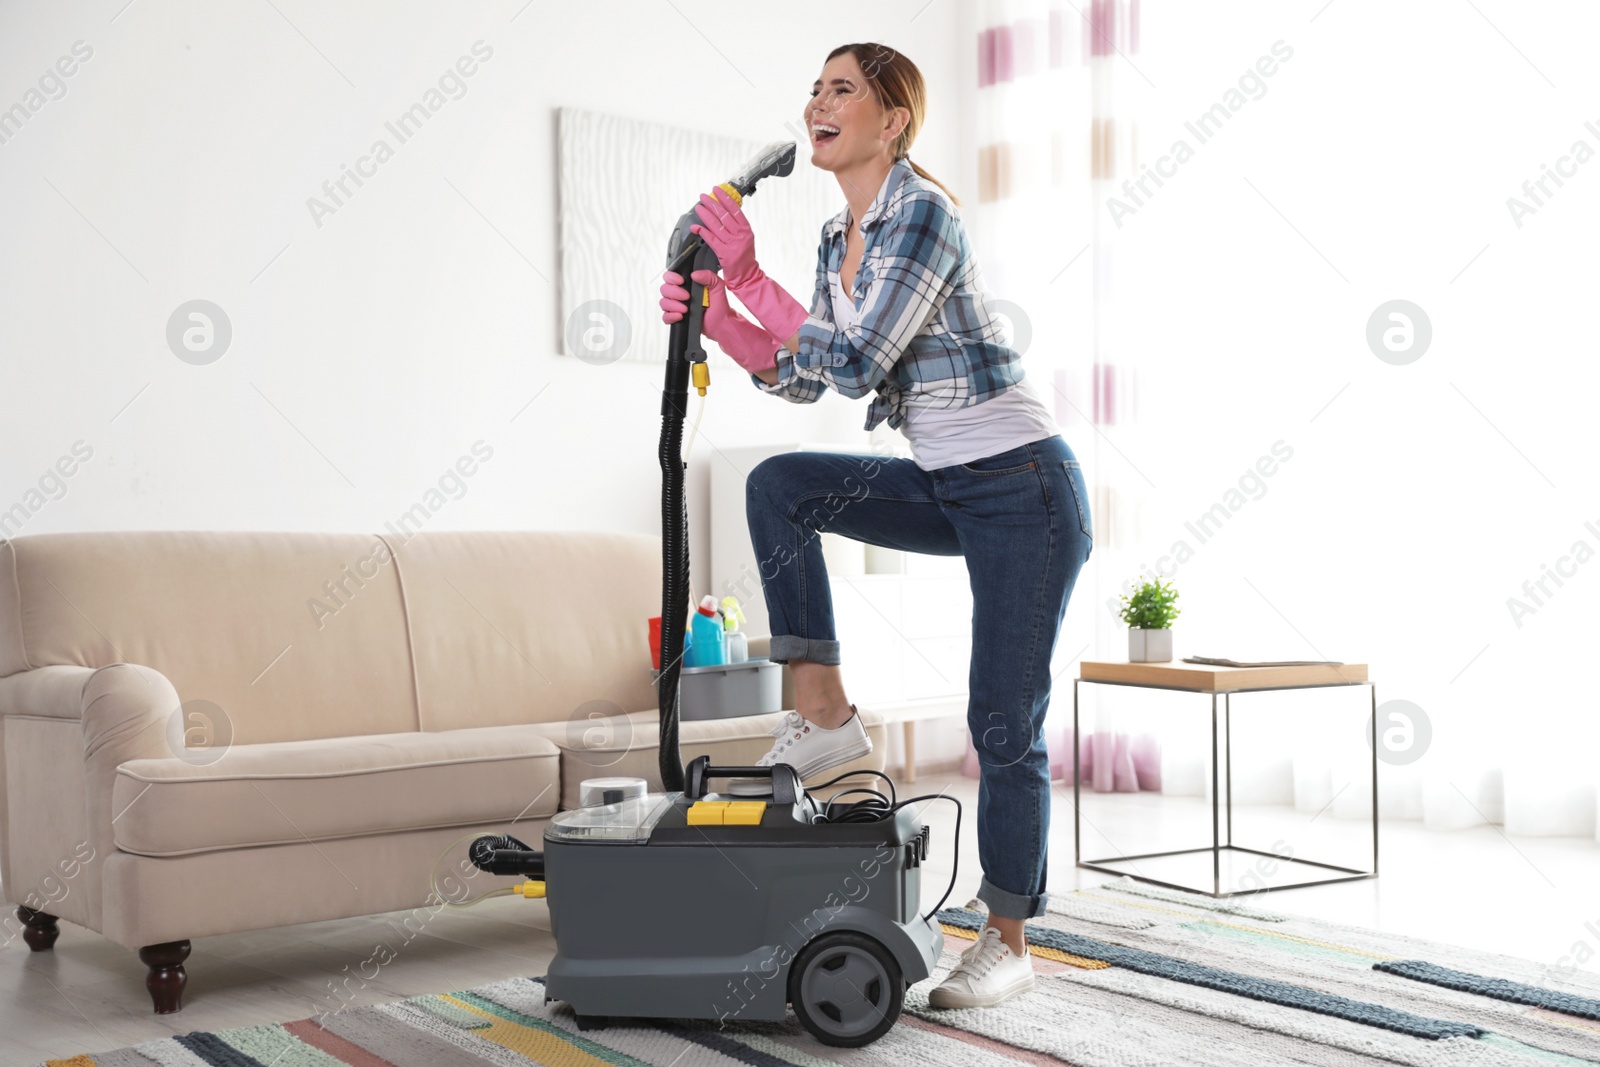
738,644
708,649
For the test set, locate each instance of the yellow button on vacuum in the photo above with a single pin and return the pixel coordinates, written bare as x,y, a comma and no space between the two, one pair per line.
744,812
726,812
707,812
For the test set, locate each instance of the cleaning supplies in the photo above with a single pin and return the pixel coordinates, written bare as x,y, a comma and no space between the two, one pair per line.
738,644
708,649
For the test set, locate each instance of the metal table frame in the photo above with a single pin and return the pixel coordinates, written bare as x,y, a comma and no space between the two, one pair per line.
1218,846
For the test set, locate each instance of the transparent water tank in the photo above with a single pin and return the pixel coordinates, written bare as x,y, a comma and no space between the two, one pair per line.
592,791
628,821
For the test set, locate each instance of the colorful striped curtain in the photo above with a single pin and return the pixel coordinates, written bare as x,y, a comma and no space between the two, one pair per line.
1056,129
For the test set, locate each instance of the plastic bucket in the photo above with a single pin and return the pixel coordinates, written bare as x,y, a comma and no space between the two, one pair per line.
729,690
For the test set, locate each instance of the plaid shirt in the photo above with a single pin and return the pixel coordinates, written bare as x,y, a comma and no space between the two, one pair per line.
926,336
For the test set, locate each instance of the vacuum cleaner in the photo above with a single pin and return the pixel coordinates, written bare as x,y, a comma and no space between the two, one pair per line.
687,904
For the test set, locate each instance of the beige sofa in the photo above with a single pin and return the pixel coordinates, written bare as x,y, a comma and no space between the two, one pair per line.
208,732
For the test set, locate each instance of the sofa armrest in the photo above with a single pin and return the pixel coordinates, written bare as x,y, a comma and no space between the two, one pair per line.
54,692
125,711
68,729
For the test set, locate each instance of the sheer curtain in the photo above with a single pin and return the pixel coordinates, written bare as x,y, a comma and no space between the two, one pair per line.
1193,331
1055,122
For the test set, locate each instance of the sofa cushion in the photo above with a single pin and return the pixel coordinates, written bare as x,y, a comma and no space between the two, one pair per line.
518,626
625,744
284,636
292,791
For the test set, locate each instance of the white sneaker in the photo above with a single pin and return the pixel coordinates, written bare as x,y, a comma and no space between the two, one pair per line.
988,973
808,748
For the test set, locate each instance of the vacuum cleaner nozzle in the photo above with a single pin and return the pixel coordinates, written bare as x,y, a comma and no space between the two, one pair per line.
777,159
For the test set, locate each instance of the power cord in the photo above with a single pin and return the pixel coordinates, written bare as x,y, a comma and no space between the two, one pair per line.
881,808
877,807
694,428
955,849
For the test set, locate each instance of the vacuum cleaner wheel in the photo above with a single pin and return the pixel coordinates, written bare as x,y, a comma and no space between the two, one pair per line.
846,989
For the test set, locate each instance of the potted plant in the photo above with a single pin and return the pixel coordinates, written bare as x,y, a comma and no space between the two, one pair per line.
1149,613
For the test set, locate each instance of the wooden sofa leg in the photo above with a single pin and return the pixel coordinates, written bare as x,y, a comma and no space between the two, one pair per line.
167,976
38,929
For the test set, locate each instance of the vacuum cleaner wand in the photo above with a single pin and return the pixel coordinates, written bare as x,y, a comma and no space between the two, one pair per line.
686,253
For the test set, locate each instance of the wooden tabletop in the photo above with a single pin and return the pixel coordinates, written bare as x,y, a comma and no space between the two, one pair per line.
1202,678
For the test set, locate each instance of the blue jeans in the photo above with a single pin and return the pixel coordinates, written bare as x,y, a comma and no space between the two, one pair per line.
1021,520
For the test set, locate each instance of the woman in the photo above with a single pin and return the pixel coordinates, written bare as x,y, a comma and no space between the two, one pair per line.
899,311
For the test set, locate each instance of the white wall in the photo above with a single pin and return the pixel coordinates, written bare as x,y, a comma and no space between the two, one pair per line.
1378,162
371,351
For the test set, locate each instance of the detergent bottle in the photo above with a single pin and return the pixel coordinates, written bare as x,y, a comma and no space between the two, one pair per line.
738,644
707,650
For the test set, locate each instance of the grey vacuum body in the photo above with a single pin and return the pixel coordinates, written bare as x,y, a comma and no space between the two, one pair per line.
659,911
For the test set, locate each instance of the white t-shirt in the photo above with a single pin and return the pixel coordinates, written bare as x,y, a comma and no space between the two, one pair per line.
943,437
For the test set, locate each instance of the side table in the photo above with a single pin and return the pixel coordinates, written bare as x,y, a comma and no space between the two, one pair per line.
1223,682
908,713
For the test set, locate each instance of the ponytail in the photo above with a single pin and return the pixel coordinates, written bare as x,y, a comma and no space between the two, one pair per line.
928,177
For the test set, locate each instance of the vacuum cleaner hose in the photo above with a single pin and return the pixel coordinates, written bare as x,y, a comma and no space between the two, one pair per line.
674,595
506,855
686,252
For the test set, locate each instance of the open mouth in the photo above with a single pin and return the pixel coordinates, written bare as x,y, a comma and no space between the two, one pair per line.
822,133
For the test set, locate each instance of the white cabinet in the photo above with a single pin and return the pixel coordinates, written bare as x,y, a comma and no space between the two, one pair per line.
735,570
904,620
907,636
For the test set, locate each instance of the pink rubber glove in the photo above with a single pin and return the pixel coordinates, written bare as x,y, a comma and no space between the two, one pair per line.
674,297
749,345
726,229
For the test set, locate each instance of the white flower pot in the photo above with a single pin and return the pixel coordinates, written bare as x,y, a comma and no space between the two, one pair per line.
1149,646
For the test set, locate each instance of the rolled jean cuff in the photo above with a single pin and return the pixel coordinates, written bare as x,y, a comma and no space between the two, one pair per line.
1009,905
785,647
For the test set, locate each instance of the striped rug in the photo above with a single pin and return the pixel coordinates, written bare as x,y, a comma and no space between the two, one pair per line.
1127,974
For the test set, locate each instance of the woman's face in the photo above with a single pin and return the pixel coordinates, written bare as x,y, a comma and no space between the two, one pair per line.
843,100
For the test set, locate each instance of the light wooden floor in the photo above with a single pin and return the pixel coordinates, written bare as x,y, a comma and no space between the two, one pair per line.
1530,897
